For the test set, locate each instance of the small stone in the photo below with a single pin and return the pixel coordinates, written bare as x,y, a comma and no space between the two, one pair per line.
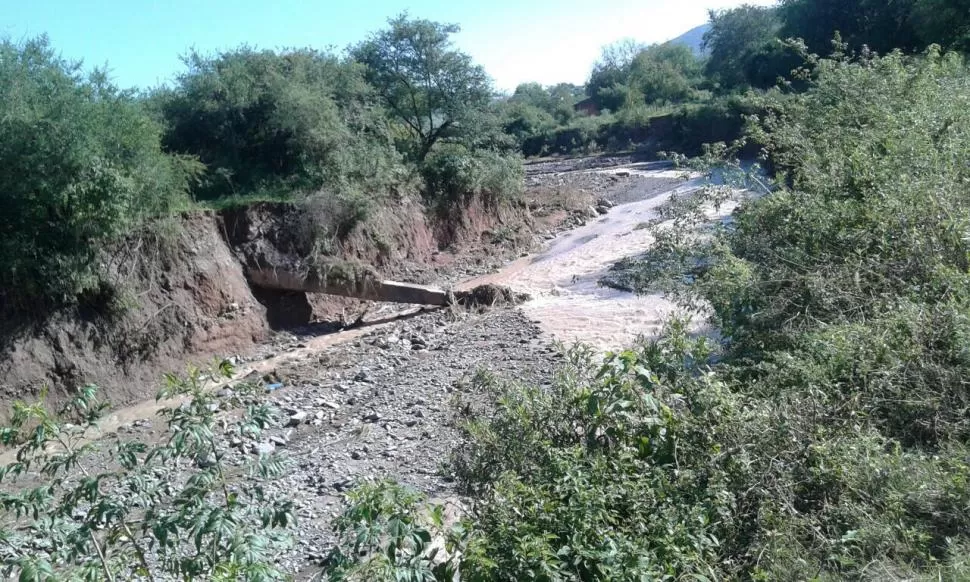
372,417
297,418
343,484
264,448
205,461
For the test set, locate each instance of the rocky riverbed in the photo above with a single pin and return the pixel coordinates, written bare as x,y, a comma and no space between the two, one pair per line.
379,401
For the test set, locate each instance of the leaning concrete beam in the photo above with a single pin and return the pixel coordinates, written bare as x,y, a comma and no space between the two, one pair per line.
366,289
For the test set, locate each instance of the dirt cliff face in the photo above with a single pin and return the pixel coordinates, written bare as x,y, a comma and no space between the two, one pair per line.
186,297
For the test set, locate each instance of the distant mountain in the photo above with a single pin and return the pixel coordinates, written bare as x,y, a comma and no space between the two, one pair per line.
693,38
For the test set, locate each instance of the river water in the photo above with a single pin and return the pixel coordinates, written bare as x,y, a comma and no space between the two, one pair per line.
567,301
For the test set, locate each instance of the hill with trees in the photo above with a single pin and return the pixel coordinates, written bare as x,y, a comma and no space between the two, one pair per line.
693,38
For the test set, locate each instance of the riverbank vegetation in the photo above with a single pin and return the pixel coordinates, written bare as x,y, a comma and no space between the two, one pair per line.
825,436
670,97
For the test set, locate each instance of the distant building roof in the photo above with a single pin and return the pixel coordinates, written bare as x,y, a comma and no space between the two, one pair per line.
587,106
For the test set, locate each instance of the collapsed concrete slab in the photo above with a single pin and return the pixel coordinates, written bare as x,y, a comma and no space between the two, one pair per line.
337,283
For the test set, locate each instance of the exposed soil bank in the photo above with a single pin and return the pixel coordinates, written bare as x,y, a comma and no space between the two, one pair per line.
186,297
188,300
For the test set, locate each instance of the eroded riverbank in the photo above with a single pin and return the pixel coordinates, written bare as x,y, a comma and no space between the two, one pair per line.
379,401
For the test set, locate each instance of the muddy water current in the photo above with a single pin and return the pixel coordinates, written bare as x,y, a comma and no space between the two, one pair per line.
567,301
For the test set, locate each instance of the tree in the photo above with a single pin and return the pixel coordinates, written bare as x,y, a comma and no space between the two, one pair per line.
557,100
665,73
737,39
944,22
278,123
881,25
607,82
80,166
630,74
528,124
431,88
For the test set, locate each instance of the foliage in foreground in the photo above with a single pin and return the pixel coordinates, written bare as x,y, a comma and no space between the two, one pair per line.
77,509
829,439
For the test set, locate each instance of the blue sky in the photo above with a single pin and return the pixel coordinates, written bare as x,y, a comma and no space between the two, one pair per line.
515,40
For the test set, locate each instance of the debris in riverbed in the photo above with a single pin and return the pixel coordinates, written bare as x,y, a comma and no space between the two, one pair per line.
490,295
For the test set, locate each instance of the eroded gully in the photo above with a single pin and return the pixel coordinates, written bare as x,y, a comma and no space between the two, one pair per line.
567,302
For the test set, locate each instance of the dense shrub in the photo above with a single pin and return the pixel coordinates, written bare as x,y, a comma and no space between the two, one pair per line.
276,124
74,509
721,120
80,165
603,475
843,294
453,174
529,125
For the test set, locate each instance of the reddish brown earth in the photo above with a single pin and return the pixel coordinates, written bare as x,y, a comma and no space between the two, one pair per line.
188,300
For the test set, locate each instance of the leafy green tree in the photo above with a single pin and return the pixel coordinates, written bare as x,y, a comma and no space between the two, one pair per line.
607,84
557,100
665,73
628,74
738,39
880,25
528,124
432,89
80,166
944,22
279,123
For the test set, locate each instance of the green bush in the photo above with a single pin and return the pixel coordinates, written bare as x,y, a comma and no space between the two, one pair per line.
390,533
454,174
122,516
606,475
842,297
80,166
273,125
721,120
